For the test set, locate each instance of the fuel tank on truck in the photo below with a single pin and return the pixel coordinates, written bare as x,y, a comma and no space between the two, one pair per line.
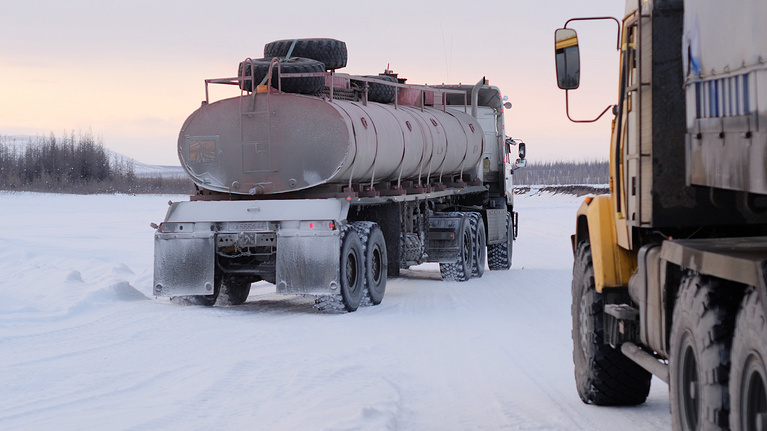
278,143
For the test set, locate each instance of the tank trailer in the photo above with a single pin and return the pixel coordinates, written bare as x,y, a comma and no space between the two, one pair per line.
326,184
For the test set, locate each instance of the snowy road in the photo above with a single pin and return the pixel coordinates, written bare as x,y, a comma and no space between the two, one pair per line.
82,345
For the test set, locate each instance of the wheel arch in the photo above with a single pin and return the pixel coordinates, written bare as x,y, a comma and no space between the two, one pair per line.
595,223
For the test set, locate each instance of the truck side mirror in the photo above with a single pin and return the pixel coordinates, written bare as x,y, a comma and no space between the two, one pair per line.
522,150
568,59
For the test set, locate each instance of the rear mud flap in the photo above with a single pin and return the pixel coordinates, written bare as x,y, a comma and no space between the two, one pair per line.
308,264
184,264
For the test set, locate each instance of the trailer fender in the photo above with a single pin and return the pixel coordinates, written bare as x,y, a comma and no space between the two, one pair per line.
595,223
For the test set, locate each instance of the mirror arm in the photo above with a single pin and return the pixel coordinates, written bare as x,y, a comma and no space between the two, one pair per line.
618,45
567,109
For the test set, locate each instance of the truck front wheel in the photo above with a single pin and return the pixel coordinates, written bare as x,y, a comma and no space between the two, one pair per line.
499,255
748,377
699,356
603,375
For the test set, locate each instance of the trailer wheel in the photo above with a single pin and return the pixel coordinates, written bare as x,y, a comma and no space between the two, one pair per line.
303,85
352,270
603,375
375,261
461,269
331,52
232,290
479,253
204,300
748,376
699,356
499,255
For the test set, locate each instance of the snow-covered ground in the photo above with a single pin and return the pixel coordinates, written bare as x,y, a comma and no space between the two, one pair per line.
84,345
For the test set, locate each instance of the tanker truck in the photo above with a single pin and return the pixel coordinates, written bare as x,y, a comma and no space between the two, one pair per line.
325,184
669,268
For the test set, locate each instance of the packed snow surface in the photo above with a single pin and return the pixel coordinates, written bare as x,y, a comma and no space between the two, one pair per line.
85,345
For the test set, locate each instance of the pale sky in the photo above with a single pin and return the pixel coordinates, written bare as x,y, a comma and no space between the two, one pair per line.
132,71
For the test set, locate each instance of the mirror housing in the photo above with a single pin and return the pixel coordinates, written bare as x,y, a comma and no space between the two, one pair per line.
520,163
522,151
568,58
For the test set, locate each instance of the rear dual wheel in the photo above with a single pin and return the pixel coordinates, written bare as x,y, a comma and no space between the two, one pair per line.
748,376
227,290
363,265
699,356
461,270
480,245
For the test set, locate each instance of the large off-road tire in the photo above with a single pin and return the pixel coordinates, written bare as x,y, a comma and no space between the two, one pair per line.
603,375
699,356
499,255
748,375
479,252
461,269
352,270
330,52
381,93
232,290
303,85
375,261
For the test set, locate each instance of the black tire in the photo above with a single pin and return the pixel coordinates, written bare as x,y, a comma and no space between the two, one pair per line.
748,375
330,52
699,356
603,375
461,269
375,261
499,255
304,85
479,253
352,270
233,290
203,300
380,93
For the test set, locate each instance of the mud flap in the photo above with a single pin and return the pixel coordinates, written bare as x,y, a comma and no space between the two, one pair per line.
184,264
308,263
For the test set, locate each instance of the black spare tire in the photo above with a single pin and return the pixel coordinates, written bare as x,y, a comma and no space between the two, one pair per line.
303,85
332,53
381,93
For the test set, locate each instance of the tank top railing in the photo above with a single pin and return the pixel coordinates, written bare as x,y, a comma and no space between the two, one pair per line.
419,96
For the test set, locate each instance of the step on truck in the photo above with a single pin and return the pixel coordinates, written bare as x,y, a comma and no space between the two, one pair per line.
326,184
670,271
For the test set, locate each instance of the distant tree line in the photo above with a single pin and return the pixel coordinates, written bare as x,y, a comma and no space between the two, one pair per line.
75,163
563,173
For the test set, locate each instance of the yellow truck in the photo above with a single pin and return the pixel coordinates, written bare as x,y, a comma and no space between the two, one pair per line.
670,269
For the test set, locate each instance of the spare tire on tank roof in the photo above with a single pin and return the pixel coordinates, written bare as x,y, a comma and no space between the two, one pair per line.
381,93
302,85
332,53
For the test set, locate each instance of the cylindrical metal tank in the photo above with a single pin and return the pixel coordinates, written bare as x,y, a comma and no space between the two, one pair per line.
278,143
